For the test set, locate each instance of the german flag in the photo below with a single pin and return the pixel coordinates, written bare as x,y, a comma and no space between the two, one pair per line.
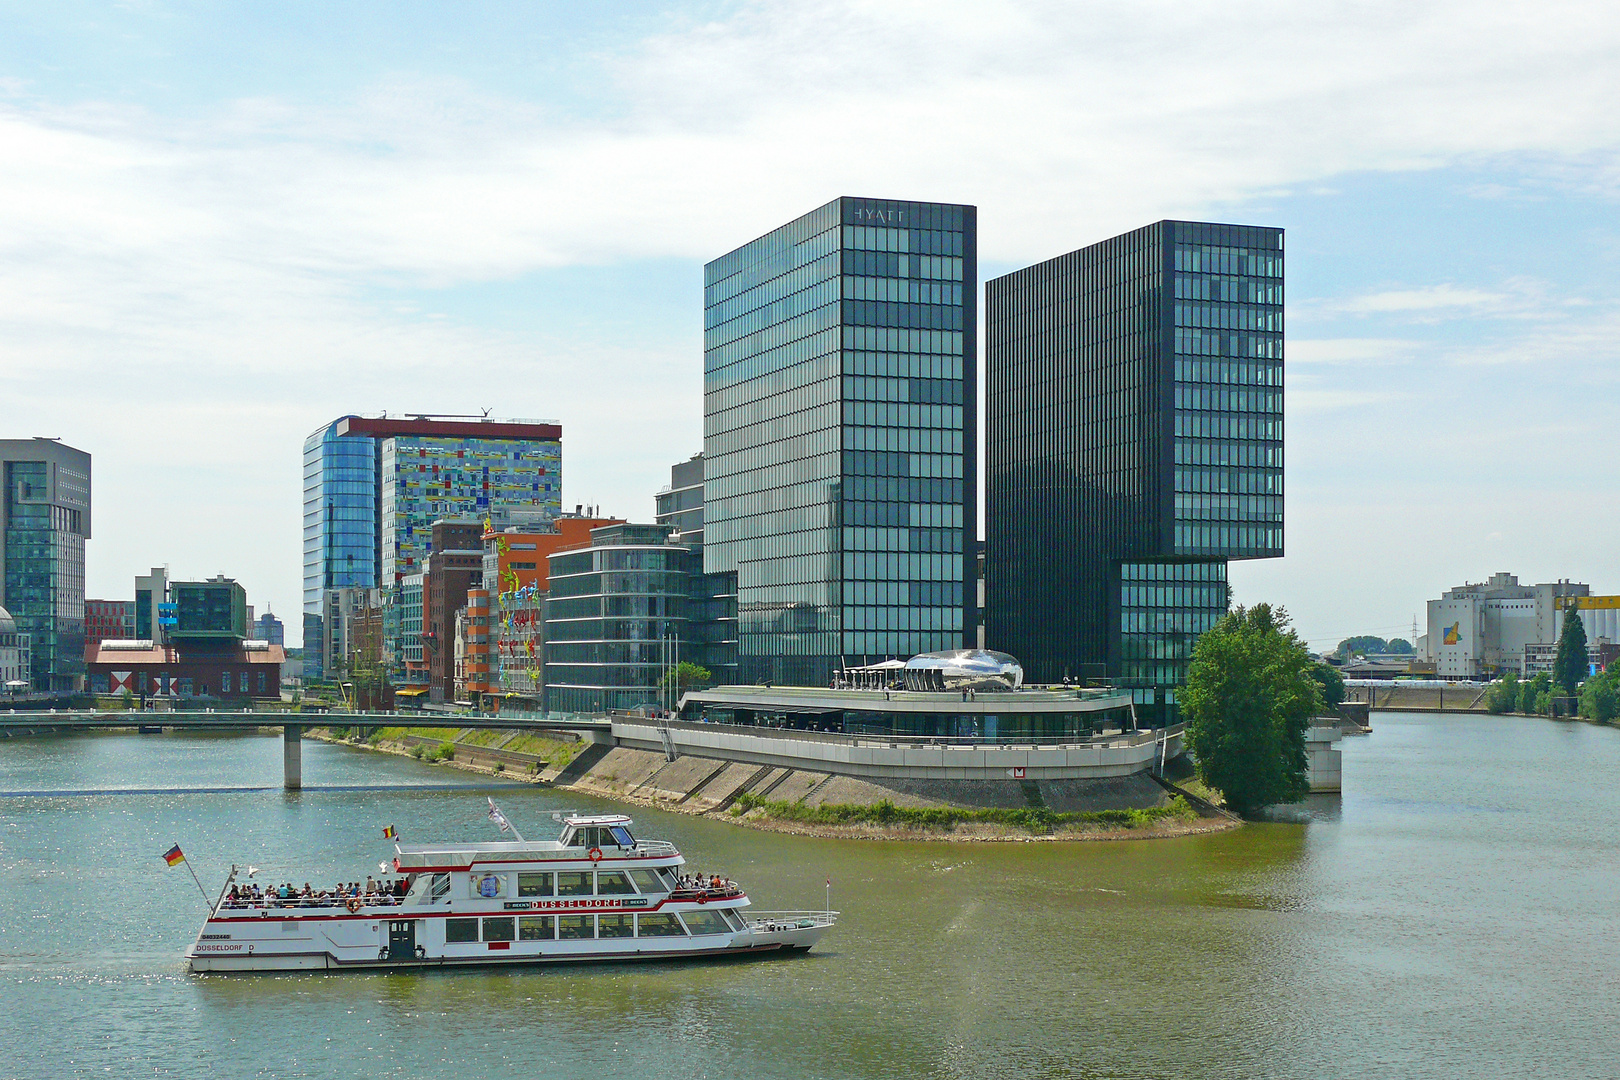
173,856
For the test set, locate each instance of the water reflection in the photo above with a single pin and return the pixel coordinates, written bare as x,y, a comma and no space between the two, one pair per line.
1449,916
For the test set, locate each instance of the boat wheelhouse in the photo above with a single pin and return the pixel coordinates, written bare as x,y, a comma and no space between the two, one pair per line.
596,893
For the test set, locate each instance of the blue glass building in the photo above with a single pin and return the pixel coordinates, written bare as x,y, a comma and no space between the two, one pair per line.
342,536
374,486
840,435
1133,446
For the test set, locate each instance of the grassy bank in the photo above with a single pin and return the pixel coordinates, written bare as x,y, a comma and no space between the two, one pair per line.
1035,820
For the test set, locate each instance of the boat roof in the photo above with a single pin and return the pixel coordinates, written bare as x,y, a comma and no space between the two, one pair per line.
597,819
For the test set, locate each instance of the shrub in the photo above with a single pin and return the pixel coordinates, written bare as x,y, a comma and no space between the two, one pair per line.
418,751
1504,696
1035,819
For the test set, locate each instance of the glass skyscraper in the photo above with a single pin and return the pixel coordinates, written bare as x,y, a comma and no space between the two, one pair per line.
374,486
840,449
44,522
1134,446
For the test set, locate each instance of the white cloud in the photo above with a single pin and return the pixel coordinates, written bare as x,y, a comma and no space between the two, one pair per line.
172,290
1359,351
1425,300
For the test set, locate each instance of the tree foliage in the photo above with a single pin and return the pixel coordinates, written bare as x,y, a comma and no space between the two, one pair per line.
1399,645
1249,697
1504,696
1361,645
1330,683
1533,693
1569,668
684,676
1600,696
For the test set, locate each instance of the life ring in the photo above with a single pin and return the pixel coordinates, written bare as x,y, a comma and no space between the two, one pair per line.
596,854
703,898
354,904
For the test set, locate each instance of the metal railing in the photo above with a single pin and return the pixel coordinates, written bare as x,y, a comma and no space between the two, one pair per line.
788,920
1112,740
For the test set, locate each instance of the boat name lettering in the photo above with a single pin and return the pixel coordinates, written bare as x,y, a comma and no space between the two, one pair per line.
569,905
219,948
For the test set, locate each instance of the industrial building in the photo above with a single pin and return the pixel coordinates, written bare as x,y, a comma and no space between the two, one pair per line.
1480,631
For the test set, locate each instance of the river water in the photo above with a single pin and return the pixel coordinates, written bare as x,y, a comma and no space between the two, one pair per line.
1456,914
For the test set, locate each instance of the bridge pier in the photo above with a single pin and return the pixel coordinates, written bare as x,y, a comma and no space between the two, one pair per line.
292,757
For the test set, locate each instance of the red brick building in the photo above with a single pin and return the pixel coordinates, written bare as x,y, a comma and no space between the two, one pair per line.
242,671
104,619
455,565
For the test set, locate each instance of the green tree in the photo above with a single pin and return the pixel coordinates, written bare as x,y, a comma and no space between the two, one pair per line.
1361,644
1504,696
1329,682
1399,645
1249,697
1599,699
684,676
1569,668
1531,691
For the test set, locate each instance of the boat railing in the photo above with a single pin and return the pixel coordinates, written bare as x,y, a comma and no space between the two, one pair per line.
277,903
657,849
724,890
789,920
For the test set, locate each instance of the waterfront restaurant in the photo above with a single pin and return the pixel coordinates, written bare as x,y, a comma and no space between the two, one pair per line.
968,695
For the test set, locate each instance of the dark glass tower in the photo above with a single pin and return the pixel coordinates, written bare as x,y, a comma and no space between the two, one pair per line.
840,435
1134,446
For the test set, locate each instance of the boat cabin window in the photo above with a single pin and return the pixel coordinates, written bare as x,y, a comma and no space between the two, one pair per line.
705,922
537,927
500,928
574,927
595,836
614,883
660,925
571,883
732,918
536,885
458,931
648,881
615,925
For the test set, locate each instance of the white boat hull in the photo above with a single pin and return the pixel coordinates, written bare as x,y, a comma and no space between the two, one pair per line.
305,945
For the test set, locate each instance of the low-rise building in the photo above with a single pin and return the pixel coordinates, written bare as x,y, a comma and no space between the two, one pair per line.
14,659
237,670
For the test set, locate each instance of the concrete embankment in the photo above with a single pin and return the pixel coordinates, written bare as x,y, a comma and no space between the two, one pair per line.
806,801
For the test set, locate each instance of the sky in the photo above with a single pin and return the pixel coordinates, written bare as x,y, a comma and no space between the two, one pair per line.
224,225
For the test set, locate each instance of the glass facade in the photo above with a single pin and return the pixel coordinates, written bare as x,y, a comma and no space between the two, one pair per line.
839,435
340,514
428,477
374,486
1134,427
46,521
612,611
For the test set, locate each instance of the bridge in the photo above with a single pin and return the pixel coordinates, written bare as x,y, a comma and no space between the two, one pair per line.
292,726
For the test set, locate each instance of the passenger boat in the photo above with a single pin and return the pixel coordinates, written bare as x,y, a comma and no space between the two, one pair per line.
596,893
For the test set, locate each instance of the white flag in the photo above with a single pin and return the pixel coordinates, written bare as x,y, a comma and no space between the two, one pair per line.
497,817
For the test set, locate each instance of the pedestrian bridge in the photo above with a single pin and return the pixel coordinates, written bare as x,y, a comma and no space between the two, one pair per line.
291,724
